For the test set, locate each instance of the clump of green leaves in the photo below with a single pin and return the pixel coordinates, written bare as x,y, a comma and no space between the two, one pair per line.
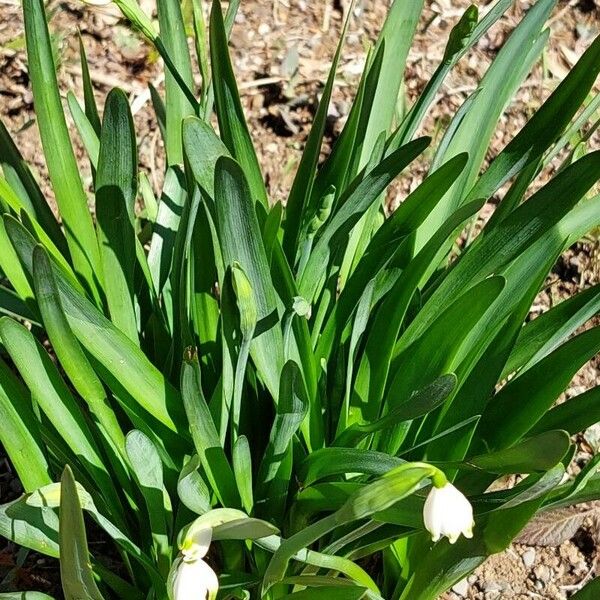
285,375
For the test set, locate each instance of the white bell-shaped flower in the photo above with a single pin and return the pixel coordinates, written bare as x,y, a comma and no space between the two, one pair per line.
191,578
447,512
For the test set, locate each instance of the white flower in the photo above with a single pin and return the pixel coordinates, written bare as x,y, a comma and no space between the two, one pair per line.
191,578
447,512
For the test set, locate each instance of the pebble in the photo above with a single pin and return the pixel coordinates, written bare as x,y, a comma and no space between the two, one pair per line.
528,557
543,573
461,588
493,586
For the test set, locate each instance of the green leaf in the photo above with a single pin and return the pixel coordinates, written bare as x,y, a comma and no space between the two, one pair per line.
497,87
513,236
544,126
543,334
301,189
49,497
589,591
353,204
191,489
241,242
538,453
273,477
91,109
172,30
116,190
339,461
420,403
242,468
88,135
147,468
32,527
67,348
521,403
327,592
25,596
20,433
124,364
435,353
75,568
574,415
51,394
20,179
62,166
205,436
232,123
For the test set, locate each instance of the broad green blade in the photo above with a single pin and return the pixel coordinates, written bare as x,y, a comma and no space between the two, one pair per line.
116,191
33,527
497,88
545,125
232,123
205,436
537,453
514,235
53,397
241,242
67,348
525,399
62,166
353,204
20,179
543,334
292,408
75,568
172,31
575,415
165,229
147,468
191,489
124,365
338,461
20,433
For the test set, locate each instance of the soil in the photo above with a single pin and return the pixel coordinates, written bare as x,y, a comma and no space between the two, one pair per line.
282,50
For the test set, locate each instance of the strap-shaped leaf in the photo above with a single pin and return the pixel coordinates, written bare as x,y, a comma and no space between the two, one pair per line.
124,365
525,399
172,31
232,123
241,242
20,433
353,204
75,568
62,167
116,190
21,179
205,436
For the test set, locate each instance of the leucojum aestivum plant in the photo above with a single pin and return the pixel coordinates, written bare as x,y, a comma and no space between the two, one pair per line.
304,399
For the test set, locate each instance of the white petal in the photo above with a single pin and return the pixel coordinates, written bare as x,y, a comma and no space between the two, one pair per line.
447,512
196,546
194,580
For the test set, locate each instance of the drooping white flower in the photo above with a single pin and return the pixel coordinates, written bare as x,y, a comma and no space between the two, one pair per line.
447,512
191,578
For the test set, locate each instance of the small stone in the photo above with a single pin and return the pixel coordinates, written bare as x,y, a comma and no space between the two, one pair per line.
528,557
271,148
543,573
493,587
461,588
472,579
263,29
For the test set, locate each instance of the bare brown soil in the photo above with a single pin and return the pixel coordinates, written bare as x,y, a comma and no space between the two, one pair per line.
282,50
